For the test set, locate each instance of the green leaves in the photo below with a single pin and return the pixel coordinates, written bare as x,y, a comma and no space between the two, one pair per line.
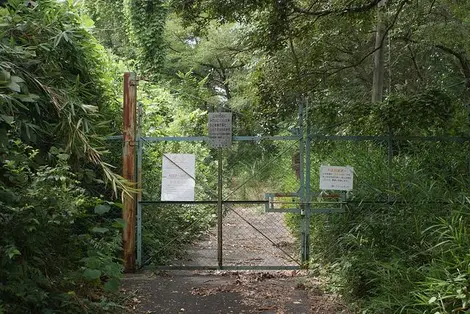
99,230
14,83
91,274
112,285
12,252
46,225
7,119
102,209
146,20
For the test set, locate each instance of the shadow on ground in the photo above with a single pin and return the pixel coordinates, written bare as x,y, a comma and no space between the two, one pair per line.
227,292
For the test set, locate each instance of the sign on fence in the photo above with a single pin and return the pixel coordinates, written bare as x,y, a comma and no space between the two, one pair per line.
178,177
336,178
220,129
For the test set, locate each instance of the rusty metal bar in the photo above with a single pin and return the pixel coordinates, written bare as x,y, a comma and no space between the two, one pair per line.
129,168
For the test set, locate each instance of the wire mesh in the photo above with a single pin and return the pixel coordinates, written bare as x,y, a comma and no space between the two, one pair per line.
186,234
401,187
252,237
398,170
253,168
179,235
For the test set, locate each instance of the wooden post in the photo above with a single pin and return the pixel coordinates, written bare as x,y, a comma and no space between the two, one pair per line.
128,165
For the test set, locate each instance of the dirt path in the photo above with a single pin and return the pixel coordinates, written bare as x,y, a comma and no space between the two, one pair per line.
227,292
251,238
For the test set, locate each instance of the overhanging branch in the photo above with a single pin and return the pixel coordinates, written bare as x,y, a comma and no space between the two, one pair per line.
344,10
463,60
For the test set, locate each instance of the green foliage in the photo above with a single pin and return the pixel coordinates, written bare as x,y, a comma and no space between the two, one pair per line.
146,20
429,113
107,25
170,229
380,252
444,287
56,254
54,87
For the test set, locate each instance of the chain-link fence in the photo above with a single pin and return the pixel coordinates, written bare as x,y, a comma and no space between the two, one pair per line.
186,234
253,236
394,177
402,186
396,169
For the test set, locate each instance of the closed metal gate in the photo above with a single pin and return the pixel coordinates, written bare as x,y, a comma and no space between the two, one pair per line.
235,221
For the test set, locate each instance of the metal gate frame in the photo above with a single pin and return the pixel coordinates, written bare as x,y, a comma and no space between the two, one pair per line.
300,134
304,136
132,212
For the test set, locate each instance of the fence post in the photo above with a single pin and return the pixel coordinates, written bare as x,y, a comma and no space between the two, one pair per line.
129,199
303,239
307,189
139,185
219,208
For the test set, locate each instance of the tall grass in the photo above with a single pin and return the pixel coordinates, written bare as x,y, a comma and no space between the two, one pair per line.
382,254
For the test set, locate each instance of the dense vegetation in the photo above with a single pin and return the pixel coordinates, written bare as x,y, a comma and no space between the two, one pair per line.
59,234
402,244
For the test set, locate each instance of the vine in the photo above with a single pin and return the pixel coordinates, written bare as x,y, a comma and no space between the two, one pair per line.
146,23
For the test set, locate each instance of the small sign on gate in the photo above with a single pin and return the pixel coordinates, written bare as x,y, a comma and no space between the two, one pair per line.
220,129
336,178
178,173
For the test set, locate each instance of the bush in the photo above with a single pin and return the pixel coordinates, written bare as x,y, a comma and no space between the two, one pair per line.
57,248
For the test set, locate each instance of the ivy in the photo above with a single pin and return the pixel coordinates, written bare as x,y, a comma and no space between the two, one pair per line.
146,22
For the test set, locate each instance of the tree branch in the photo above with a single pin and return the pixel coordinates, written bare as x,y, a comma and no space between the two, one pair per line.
382,41
346,10
415,63
463,60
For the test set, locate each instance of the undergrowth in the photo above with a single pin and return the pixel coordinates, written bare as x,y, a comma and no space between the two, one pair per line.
57,243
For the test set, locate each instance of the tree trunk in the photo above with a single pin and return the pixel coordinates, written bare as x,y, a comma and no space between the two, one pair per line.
379,59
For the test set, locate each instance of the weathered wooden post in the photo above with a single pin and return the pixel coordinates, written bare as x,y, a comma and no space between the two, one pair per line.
128,166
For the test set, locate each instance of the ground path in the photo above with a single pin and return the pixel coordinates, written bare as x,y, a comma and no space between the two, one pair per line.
251,238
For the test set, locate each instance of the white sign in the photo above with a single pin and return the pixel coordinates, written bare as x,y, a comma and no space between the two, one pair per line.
220,129
178,174
336,178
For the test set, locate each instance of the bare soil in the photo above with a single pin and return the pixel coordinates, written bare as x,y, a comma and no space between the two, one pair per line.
251,238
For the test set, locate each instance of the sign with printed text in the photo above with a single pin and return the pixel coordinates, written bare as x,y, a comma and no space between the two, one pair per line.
336,178
220,129
178,177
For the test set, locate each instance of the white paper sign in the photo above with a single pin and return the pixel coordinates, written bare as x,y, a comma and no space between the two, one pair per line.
178,173
336,178
220,129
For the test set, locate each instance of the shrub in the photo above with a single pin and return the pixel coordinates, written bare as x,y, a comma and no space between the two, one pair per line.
57,248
